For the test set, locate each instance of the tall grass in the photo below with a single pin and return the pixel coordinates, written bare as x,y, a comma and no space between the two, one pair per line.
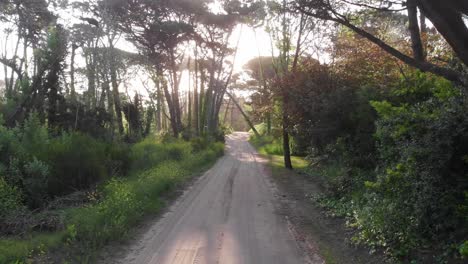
156,169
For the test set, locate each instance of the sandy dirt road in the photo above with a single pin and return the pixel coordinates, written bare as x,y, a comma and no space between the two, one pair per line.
229,215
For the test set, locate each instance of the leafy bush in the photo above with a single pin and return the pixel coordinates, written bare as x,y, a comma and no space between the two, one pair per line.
199,143
151,152
36,182
118,159
10,198
420,186
464,249
43,166
77,162
412,192
267,145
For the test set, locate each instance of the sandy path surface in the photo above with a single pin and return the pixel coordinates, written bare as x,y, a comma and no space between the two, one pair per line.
228,216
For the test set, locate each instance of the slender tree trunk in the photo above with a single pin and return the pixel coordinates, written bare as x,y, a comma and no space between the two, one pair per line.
448,20
158,105
247,119
226,110
115,89
268,121
196,113
286,147
423,26
202,103
5,69
189,108
149,120
25,56
413,26
91,74
285,65
12,76
72,73
172,109
175,96
102,98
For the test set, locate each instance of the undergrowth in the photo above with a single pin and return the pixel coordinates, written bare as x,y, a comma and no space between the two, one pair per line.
119,203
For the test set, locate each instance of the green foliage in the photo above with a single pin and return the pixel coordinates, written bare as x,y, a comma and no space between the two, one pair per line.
267,145
416,194
16,250
10,198
324,108
118,161
35,182
199,143
121,201
78,161
261,128
420,147
146,154
464,249
42,166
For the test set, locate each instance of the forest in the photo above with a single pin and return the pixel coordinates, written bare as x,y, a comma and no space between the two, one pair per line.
108,105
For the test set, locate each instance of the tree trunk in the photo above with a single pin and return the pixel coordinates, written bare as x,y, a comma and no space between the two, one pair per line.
172,110
189,108
115,90
423,26
175,95
196,114
446,16
243,114
457,39
285,65
286,148
72,73
202,102
226,110
12,76
413,27
268,121
91,75
158,106
447,73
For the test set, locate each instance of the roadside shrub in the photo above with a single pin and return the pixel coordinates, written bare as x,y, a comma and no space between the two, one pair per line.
9,145
199,143
267,145
35,182
146,153
10,198
464,249
420,188
151,152
118,160
178,151
77,162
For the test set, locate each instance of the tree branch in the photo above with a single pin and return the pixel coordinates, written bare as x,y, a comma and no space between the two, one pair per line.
447,73
11,64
